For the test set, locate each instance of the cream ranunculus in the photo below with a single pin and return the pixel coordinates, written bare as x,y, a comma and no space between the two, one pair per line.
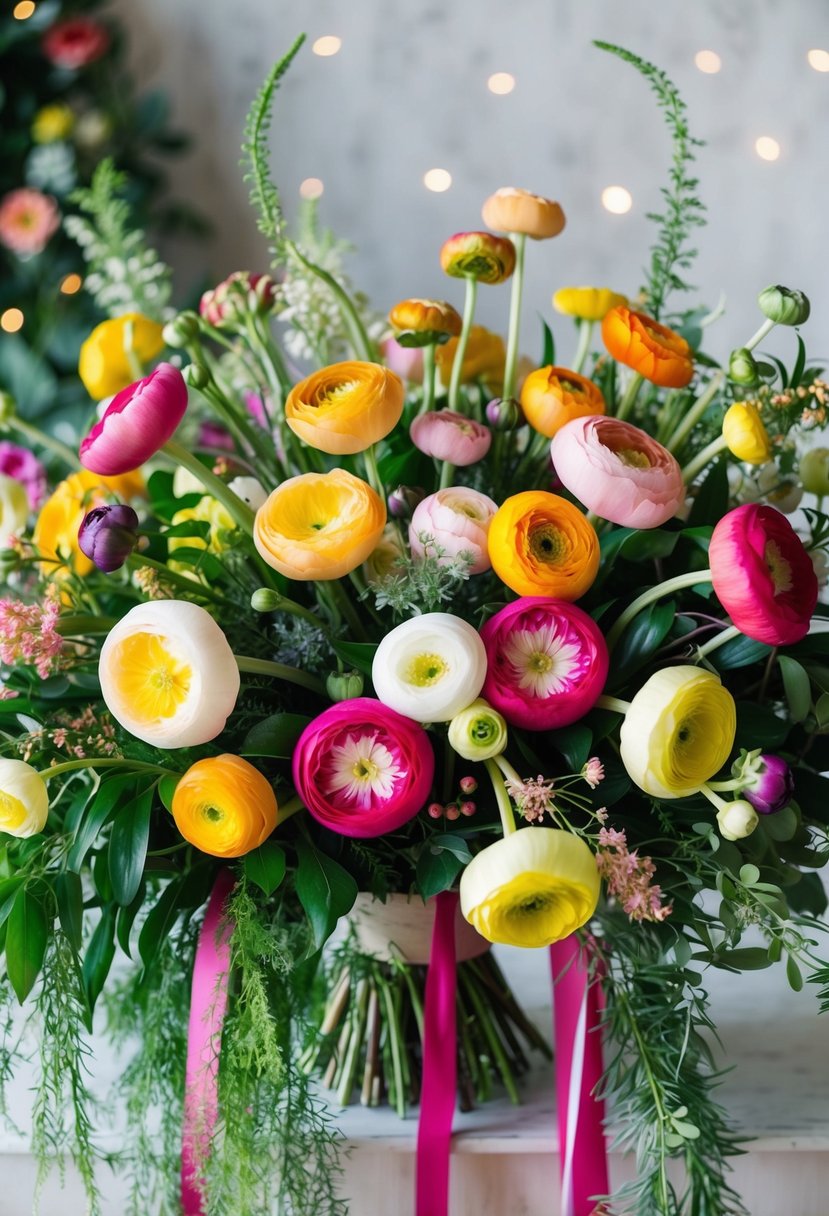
737,819
478,732
14,509
24,802
168,675
678,731
534,887
430,667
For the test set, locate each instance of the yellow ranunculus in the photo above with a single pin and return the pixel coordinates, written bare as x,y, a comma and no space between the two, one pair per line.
381,561
345,408
587,303
483,359
14,508
534,887
104,365
678,731
224,806
743,431
55,535
210,511
24,802
52,123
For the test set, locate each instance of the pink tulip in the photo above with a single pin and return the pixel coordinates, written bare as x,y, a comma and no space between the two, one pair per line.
452,522
547,663
450,436
762,575
406,361
618,471
24,466
137,422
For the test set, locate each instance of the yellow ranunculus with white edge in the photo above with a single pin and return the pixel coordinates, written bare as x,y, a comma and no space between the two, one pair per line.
678,731
24,802
14,509
478,732
745,434
587,303
534,887
168,675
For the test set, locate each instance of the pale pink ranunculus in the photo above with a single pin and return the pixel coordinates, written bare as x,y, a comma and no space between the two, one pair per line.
28,219
618,471
406,361
447,435
24,466
137,422
453,521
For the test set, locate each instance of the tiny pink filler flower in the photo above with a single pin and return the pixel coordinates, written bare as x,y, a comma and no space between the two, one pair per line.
454,521
452,437
138,421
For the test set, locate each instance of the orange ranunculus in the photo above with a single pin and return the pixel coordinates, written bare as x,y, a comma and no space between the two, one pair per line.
55,535
483,359
319,525
552,396
651,349
428,321
512,210
478,255
346,407
224,806
540,544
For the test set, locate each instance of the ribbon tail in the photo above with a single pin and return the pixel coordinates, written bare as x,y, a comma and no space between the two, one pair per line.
437,1095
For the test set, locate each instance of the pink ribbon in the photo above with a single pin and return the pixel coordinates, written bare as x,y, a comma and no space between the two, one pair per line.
437,1094
208,1005
577,1004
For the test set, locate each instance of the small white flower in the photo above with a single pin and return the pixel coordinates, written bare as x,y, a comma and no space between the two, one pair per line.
430,667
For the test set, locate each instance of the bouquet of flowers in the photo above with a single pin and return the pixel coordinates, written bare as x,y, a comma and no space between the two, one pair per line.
341,619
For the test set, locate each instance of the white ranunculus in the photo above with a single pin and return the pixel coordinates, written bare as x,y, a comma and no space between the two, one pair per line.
737,820
430,667
14,509
24,802
185,482
250,490
168,674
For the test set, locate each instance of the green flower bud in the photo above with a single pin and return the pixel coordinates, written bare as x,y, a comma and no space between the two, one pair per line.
265,600
742,367
344,685
197,375
784,306
814,471
478,732
8,407
182,330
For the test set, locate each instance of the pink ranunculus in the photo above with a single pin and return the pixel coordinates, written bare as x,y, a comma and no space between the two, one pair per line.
449,436
454,521
618,471
547,662
137,422
75,42
240,292
762,575
362,769
28,219
24,466
406,361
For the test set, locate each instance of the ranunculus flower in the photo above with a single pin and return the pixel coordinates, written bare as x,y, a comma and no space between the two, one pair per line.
678,731
762,575
651,349
75,42
55,535
483,359
424,322
319,525
587,303
814,471
239,293
363,770
430,667
52,123
345,408
381,562
553,396
513,210
478,255
744,433
250,490
446,435
108,535
136,423
168,675
224,806
24,466
547,663
14,509
478,732
103,365
531,889
24,802
769,782
28,219
736,820
784,305
540,544
455,521
405,361
618,471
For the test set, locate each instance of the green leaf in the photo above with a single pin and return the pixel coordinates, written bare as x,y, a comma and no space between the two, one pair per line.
747,958
797,687
126,919
793,974
711,500
574,743
326,891
648,545
26,937
643,635
782,825
812,793
739,652
69,894
808,895
99,955
356,654
436,871
453,844
128,846
160,920
759,727
749,875
274,736
800,364
166,789
266,866
98,810
8,890
548,352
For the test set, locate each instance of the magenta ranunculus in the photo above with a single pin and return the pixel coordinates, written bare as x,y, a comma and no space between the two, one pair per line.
137,422
362,769
450,436
618,471
771,787
762,575
451,522
547,662
24,466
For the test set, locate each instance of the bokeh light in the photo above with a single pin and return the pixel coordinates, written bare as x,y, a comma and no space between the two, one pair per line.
818,59
11,320
437,180
328,44
71,284
616,199
501,83
767,148
708,62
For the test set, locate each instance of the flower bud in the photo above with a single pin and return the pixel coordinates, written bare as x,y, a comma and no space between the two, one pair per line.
772,785
742,367
453,811
814,471
737,820
8,408
435,810
197,375
424,322
478,732
182,330
265,600
403,500
344,685
478,255
468,785
745,434
240,293
504,414
108,535
468,808
784,305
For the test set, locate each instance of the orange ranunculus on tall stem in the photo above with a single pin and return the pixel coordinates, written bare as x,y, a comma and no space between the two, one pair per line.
653,351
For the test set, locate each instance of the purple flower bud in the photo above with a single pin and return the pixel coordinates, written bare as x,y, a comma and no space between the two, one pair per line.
403,501
772,786
108,535
504,414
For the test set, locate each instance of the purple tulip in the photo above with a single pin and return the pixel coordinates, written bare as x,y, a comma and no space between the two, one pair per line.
504,414
403,500
772,785
108,536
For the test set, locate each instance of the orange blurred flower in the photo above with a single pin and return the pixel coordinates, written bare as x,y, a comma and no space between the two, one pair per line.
346,407
224,806
512,210
552,396
651,349
483,359
478,255
540,544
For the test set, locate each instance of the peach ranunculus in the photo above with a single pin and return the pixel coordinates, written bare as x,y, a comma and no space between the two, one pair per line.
513,210
587,303
553,396
346,407
654,351
423,322
112,354
28,219
224,806
319,525
483,359
478,255
55,535
540,544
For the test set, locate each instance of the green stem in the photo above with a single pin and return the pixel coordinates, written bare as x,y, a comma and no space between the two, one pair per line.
447,474
766,328
136,560
654,593
460,351
344,605
289,808
708,791
725,786
708,453
519,240
110,762
614,704
501,797
240,511
35,435
427,403
135,364
74,626
631,393
583,347
724,636
372,471
356,330
265,667
696,412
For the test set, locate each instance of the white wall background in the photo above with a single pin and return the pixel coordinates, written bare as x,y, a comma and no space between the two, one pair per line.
408,92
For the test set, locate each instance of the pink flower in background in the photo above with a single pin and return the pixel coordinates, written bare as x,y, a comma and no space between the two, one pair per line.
24,466
75,42
212,435
362,769
28,634
446,435
406,361
137,422
239,292
455,520
628,877
534,797
547,662
28,219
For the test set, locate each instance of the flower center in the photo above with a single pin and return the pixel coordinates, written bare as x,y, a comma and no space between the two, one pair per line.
152,677
546,544
361,770
540,663
426,670
778,568
12,812
633,458
212,813
364,769
331,394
